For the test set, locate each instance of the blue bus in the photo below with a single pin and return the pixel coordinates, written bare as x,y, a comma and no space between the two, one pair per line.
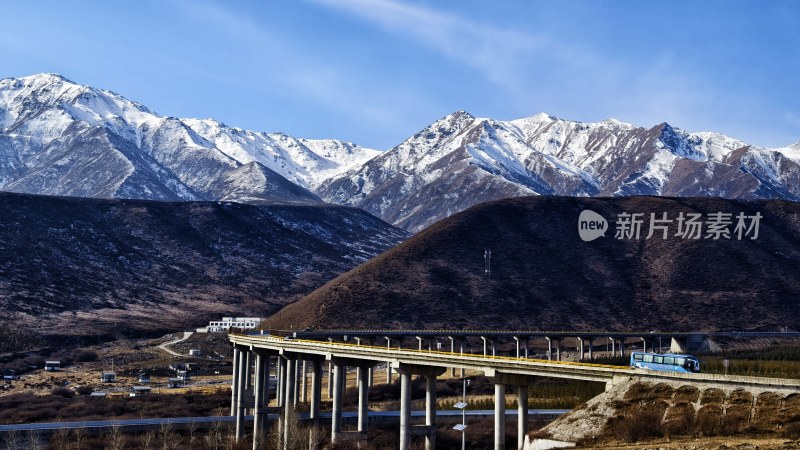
669,362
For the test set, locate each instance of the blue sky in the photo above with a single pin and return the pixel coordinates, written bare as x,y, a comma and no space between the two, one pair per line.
377,71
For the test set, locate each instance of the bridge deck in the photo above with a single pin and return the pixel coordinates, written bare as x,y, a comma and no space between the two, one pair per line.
492,364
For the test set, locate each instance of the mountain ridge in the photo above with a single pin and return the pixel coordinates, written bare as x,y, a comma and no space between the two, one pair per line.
545,277
66,262
48,122
61,138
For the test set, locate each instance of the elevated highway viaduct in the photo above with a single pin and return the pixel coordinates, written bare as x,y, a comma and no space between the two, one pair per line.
254,354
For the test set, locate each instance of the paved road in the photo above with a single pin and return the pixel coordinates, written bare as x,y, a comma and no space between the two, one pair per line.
99,425
164,346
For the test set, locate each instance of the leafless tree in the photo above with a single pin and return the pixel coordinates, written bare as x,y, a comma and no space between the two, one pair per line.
169,440
33,440
148,439
214,436
60,439
116,438
192,428
12,440
78,436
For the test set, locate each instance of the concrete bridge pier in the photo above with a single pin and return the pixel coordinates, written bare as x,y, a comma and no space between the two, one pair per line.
429,429
584,345
488,344
303,383
241,380
590,347
522,415
677,345
234,377
550,342
261,393
499,416
280,389
296,391
420,340
249,370
330,381
289,397
316,389
524,341
453,350
339,381
645,347
388,363
521,382
363,399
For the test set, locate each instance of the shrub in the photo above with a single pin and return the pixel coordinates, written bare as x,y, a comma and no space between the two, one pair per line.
792,430
712,396
84,390
709,420
83,355
62,392
736,419
643,424
688,394
679,420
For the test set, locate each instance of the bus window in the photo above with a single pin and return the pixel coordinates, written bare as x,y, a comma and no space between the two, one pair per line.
669,360
637,357
648,358
680,362
658,359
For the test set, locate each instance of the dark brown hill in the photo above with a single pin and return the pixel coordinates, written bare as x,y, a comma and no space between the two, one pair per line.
543,276
77,266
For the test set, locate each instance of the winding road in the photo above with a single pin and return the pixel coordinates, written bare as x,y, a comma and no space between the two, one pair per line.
186,335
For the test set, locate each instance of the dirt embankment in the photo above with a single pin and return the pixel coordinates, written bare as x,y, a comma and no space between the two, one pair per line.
638,412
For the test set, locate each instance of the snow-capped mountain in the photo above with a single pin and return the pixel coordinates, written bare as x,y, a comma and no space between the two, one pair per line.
461,160
61,138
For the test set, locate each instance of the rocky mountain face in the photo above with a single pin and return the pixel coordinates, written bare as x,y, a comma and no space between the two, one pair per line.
723,273
461,160
61,138
71,266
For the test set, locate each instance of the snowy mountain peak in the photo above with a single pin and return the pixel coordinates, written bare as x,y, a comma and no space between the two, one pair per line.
795,146
61,138
42,79
449,124
542,117
612,122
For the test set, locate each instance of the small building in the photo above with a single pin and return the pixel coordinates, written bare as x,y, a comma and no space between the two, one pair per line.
9,374
108,377
144,378
138,391
195,352
174,383
221,326
52,366
179,366
98,394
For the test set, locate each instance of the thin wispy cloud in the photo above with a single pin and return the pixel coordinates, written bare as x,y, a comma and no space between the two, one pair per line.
288,68
497,52
520,62
377,71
